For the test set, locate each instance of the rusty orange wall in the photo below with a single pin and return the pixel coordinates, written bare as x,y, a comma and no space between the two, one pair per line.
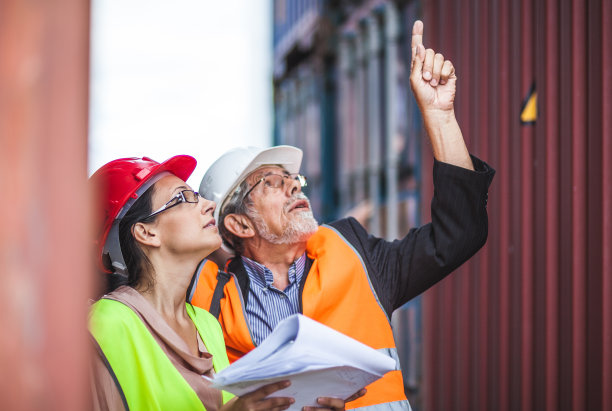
527,324
44,63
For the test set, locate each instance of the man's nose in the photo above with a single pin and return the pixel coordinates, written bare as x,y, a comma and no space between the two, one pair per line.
293,185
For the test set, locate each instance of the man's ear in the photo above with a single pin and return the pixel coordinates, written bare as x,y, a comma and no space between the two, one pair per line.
146,234
239,225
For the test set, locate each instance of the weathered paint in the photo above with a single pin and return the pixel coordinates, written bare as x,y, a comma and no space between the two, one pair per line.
534,304
44,74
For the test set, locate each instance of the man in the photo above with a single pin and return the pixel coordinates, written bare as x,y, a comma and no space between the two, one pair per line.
337,274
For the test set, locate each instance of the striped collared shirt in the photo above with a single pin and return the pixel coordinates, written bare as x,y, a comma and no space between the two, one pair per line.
266,304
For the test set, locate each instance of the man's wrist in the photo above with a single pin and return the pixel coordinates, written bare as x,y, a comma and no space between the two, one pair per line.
439,117
441,125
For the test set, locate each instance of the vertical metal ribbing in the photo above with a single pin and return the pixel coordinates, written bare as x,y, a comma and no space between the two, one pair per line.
551,120
513,45
499,79
344,101
527,40
605,187
577,110
374,101
361,115
289,137
391,163
595,137
479,143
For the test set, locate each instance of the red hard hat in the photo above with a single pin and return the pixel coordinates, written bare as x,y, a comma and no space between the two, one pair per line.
121,182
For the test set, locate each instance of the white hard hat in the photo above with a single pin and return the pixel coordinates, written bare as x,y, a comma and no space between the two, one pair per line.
225,175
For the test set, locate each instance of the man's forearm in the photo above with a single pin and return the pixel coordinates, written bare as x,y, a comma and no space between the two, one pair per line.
446,138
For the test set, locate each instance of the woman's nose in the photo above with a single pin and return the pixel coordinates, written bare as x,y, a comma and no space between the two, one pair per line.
207,206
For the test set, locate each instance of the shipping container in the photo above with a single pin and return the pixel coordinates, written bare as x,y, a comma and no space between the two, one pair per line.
530,316
527,323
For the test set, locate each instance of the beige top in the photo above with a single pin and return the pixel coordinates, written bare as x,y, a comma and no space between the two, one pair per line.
105,393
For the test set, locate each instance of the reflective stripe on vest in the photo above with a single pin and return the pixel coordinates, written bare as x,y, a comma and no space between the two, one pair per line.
388,406
147,377
337,293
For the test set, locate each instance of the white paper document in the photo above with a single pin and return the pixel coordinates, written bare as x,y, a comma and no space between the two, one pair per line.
318,360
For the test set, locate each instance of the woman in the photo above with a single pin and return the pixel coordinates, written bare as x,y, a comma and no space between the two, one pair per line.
153,348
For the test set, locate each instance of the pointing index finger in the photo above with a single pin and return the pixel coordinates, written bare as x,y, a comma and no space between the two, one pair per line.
417,36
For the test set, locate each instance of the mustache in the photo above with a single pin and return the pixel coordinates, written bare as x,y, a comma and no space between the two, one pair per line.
294,198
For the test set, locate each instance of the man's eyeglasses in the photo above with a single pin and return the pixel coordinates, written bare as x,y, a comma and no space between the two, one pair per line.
185,196
274,181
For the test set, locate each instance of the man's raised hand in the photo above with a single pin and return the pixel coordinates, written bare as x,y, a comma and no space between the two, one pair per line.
432,78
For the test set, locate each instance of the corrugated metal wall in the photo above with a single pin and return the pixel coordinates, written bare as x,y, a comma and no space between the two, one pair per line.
527,324
44,264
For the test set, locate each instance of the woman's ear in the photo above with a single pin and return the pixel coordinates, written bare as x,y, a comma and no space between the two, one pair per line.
146,234
239,225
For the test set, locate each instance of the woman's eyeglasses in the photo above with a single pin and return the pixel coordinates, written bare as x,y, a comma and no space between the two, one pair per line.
185,196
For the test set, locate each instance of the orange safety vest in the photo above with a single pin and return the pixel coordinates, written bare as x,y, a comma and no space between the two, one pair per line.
337,292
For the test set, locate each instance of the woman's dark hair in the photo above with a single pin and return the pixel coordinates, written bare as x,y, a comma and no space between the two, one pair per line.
135,259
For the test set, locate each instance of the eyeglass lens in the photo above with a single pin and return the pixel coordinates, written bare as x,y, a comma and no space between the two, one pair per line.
190,196
276,181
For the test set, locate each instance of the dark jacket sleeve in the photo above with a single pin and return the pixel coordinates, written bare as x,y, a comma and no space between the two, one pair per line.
402,269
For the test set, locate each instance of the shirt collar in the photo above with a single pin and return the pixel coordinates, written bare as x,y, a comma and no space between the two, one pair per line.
262,275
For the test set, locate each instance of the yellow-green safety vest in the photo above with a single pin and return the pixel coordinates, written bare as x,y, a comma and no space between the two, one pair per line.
146,376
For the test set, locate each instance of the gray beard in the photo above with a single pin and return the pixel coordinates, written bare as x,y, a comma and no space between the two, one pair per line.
300,228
